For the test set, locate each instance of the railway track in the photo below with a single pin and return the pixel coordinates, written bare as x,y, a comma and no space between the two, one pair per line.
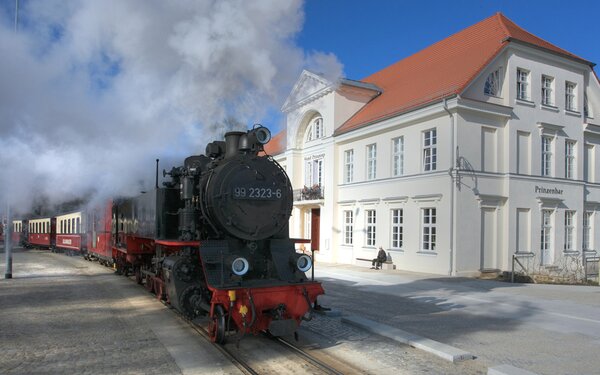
263,354
282,355
327,368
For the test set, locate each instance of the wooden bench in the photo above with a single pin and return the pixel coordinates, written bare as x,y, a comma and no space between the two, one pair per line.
387,265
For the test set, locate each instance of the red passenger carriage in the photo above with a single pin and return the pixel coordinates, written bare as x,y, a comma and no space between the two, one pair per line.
70,235
99,233
42,233
18,235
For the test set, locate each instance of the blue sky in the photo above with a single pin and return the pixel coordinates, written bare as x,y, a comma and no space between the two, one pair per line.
367,36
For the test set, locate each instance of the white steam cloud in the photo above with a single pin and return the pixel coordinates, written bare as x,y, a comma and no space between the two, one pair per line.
93,91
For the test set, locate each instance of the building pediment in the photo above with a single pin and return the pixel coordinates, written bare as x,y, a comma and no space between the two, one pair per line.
309,87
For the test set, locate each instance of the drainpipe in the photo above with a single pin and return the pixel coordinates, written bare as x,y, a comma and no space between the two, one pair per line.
451,268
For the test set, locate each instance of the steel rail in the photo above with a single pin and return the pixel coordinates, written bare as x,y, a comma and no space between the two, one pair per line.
307,357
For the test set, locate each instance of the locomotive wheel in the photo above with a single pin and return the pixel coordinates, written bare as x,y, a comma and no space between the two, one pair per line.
216,325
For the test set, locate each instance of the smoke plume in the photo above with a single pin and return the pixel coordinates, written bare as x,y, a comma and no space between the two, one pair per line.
93,91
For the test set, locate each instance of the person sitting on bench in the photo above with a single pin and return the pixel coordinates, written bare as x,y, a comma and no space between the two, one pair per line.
381,257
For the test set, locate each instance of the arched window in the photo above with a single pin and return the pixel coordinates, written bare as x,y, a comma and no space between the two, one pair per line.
492,83
315,129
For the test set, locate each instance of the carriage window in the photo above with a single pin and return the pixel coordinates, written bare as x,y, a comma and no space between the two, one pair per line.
78,225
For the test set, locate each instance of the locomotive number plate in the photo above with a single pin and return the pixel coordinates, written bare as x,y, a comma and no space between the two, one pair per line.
258,193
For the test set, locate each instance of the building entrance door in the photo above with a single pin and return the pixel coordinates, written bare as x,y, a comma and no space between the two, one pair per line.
488,239
315,226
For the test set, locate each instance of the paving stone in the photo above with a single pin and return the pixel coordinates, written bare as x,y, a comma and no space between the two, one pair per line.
63,315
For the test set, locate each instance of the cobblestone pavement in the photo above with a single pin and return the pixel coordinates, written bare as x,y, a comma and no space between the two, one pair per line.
375,354
64,315
546,329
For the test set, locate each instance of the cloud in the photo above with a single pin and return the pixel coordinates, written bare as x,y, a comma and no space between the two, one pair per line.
93,91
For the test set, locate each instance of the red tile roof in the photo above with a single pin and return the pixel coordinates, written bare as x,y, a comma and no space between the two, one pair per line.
443,69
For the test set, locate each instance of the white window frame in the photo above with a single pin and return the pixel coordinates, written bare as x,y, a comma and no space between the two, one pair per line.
315,129
313,172
398,156
370,228
569,230
570,154
588,233
546,238
571,96
547,90
318,165
429,150
348,217
492,85
372,161
547,156
428,229
348,166
397,229
523,84
308,178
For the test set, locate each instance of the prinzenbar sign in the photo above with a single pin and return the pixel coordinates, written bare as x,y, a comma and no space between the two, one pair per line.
543,190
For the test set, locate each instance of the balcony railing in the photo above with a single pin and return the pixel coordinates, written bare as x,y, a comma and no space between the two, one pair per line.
314,192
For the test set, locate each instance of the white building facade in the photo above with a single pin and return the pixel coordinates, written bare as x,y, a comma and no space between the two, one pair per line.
506,165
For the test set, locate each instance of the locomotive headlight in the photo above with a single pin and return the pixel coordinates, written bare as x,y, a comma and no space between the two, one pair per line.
263,135
304,263
240,266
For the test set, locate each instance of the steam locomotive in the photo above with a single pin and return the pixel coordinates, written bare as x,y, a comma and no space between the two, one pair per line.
212,241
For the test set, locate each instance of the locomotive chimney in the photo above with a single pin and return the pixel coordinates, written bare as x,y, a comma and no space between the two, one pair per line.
232,141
